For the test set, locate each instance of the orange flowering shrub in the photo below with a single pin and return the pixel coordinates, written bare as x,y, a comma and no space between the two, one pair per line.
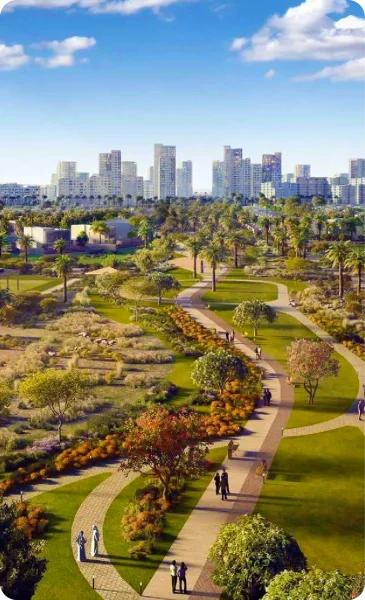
31,519
227,413
358,349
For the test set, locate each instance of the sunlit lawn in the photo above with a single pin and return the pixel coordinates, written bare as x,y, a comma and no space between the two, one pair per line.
295,286
315,491
25,283
237,291
335,395
63,579
132,570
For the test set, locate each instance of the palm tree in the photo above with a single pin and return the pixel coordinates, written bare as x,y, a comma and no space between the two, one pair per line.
236,240
321,219
26,242
194,244
3,240
63,267
336,255
213,254
60,245
280,237
6,298
99,227
355,261
266,223
145,231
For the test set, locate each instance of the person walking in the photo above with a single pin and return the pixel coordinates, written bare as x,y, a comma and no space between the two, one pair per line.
227,337
268,397
81,541
217,481
224,487
182,578
360,408
173,573
233,335
257,353
264,397
95,537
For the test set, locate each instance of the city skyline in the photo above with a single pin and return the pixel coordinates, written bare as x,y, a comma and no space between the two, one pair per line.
86,79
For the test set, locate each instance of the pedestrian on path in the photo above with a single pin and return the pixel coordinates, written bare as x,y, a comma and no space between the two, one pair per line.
217,481
95,537
257,353
81,541
224,488
233,335
225,478
267,397
182,578
360,408
227,337
173,573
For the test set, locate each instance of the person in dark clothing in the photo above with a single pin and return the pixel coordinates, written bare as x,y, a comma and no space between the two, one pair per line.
233,335
264,397
268,397
173,573
225,478
227,337
182,577
224,488
217,481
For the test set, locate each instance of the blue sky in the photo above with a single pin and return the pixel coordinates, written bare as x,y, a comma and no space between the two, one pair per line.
197,74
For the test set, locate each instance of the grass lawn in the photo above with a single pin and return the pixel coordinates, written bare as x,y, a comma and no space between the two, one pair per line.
132,570
335,394
63,579
237,291
36,283
185,277
315,491
295,286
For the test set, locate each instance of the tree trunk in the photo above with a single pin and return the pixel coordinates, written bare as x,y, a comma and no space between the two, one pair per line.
255,331
214,286
145,242
26,255
359,270
267,235
340,280
159,299
60,429
236,256
65,288
194,274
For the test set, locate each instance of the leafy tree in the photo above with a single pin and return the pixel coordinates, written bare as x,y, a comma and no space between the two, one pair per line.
280,238
145,260
82,239
213,254
63,267
238,240
20,569
194,245
168,444
3,240
136,291
59,391
145,231
336,255
249,553
99,227
162,283
311,361
253,312
265,222
213,370
296,265
6,298
109,284
26,242
6,395
314,584
355,261
60,245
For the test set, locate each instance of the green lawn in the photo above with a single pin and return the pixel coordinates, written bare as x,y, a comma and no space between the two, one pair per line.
296,286
237,291
315,491
63,579
132,570
335,394
185,277
36,283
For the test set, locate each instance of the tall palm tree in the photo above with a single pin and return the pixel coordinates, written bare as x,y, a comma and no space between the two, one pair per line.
280,238
60,245
355,262
99,227
195,245
63,267
3,240
236,240
320,222
26,242
265,222
336,255
213,254
145,231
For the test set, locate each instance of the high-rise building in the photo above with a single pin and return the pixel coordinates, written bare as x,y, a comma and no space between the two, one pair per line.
218,189
356,168
82,175
232,174
271,168
288,178
148,184
184,179
313,186
129,168
164,171
243,178
66,170
256,179
110,165
302,171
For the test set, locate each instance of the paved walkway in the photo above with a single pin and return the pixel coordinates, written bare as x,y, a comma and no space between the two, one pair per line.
59,287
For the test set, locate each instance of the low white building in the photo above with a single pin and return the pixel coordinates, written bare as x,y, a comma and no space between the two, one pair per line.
45,237
118,230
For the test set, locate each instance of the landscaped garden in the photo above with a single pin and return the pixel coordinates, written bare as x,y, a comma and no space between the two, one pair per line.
236,291
18,284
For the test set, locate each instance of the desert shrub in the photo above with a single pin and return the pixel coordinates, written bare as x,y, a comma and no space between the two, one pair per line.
137,380
82,299
48,304
144,358
161,392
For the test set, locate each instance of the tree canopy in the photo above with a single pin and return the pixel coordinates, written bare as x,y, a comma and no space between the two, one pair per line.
213,370
253,312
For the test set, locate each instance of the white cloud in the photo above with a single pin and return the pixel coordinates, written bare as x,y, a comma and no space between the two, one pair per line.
123,7
353,70
64,51
238,44
269,74
307,32
12,57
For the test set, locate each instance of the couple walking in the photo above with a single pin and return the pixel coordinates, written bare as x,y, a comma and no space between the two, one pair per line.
267,395
222,484
81,541
178,573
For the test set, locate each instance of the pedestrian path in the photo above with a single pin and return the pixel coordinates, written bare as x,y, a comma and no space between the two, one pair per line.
59,287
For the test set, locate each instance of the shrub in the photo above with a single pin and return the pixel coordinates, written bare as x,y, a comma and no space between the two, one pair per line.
48,304
137,380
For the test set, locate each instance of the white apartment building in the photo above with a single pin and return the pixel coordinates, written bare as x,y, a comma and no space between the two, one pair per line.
129,168
17,194
313,186
232,174
184,177
243,178
356,168
271,168
288,178
218,179
282,190
164,171
48,191
256,179
110,165
302,171
66,170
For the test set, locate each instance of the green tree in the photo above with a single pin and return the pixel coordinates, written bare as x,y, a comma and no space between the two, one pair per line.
99,227
194,245
249,553
82,239
63,267
314,584
355,262
3,240
213,370
135,291
26,242
6,395
265,222
336,256
253,312
145,231
213,254
162,283
280,238
238,240
145,260
62,392
60,245
6,298
20,569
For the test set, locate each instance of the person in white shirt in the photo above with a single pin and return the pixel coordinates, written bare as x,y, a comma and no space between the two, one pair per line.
173,573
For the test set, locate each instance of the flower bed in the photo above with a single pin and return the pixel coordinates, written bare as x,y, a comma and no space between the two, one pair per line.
228,412
356,348
334,327
31,519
